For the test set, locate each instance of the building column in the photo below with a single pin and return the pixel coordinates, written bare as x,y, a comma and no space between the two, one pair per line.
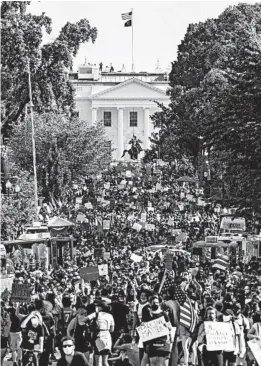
120,134
146,121
94,115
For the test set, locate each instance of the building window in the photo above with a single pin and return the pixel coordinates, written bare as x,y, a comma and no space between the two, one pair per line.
107,119
133,119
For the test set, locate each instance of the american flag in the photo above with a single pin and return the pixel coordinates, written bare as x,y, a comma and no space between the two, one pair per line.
126,16
221,262
167,284
187,315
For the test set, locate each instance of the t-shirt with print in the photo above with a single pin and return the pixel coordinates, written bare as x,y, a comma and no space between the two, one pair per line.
31,336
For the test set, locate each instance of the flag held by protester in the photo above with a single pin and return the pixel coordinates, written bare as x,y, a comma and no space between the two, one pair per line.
128,18
221,262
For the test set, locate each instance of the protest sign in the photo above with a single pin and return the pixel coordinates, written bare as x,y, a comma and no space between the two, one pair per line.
128,174
121,186
89,273
169,260
106,224
229,223
255,347
158,187
107,185
80,217
143,217
136,258
107,255
103,269
97,253
88,205
193,271
219,336
150,227
21,293
137,226
153,329
78,200
171,221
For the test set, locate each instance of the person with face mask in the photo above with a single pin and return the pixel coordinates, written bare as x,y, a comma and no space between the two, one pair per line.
230,355
69,356
158,349
143,303
244,327
209,358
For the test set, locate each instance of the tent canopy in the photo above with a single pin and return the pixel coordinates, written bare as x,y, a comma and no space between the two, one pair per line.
58,222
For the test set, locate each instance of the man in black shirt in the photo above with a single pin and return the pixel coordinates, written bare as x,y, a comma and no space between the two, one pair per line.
70,356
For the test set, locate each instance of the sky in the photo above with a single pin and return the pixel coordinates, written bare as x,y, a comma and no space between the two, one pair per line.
158,28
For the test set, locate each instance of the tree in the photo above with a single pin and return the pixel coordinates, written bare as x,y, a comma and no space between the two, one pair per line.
21,45
215,95
66,149
17,209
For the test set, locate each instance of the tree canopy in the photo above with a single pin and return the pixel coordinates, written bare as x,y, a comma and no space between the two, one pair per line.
215,93
21,45
66,149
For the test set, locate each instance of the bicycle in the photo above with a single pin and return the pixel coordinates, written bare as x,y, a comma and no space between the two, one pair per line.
30,357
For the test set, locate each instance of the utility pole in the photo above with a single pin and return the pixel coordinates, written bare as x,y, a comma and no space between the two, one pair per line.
33,142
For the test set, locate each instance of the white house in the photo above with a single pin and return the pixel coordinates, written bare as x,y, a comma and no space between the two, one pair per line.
123,101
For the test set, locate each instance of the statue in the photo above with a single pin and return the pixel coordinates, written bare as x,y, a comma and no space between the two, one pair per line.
135,148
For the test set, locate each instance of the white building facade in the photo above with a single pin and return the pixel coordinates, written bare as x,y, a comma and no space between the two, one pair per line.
124,103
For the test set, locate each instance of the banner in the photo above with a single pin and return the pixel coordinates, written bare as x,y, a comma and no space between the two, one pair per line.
228,223
255,347
153,329
219,336
89,273
21,293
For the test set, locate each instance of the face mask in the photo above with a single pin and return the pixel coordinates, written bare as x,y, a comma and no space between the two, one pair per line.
154,307
67,350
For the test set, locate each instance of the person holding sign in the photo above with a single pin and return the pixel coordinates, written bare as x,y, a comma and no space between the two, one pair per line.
210,358
158,348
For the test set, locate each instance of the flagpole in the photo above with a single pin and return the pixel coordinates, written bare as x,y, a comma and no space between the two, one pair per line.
132,66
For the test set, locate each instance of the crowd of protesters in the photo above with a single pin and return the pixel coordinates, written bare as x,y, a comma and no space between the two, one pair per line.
73,322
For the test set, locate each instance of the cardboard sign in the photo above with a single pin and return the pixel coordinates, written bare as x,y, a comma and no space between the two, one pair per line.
169,260
21,293
136,258
143,217
153,329
80,217
89,273
103,269
137,226
219,336
88,205
107,255
255,346
107,185
106,224
150,227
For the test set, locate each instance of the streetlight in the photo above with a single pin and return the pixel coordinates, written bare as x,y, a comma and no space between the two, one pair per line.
8,187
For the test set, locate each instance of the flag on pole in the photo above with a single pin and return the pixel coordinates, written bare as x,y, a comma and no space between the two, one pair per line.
221,262
187,315
128,17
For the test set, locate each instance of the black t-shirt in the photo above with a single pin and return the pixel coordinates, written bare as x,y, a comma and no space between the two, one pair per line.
31,336
78,360
119,313
15,321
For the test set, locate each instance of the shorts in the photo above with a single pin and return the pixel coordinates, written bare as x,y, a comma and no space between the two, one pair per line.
229,356
15,340
4,342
